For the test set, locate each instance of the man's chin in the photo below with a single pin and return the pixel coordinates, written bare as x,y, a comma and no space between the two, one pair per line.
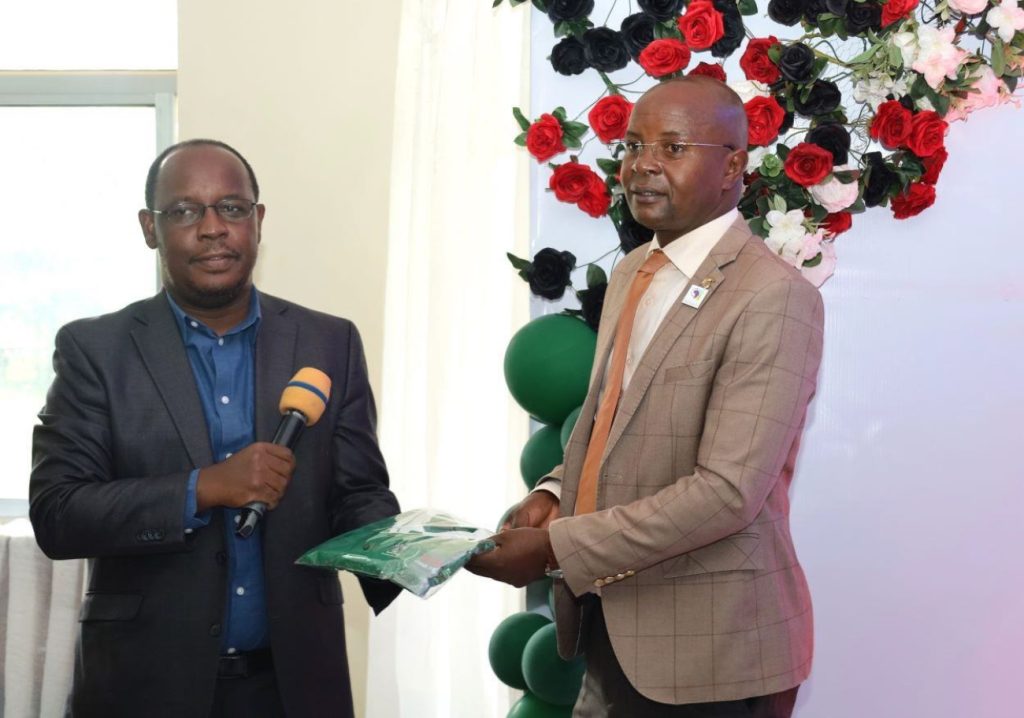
215,297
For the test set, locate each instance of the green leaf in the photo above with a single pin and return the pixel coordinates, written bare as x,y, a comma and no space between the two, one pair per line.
559,114
758,226
1011,82
521,264
820,64
857,207
577,129
747,7
865,56
895,56
541,5
846,176
498,2
998,57
778,203
524,124
774,53
572,142
596,276
609,167
520,139
814,262
562,28
782,151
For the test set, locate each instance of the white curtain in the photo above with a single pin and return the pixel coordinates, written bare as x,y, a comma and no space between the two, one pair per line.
39,602
449,428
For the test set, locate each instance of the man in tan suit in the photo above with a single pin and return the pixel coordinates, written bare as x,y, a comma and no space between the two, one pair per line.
669,520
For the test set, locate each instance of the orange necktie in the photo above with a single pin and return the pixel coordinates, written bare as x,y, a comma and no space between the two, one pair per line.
586,498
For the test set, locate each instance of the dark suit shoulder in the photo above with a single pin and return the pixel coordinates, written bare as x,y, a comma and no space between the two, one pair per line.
104,328
303,314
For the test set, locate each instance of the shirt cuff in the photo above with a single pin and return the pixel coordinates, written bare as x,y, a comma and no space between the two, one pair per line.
552,486
192,519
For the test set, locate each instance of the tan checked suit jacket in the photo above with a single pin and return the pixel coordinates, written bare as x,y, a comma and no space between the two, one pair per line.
690,547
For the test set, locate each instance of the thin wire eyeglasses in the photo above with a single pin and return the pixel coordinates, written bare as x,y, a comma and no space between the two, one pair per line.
662,150
185,214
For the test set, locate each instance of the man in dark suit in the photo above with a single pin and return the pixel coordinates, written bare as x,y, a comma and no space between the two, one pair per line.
154,434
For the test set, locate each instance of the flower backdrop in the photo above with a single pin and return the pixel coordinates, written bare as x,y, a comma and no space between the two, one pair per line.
849,103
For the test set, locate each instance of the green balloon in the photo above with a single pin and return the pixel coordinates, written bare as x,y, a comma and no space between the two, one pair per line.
505,650
550,678
568,425
530,706
547,366
543,452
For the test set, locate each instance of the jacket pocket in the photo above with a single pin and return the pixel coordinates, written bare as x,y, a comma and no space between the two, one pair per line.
110,607
733,553
693,373
330,589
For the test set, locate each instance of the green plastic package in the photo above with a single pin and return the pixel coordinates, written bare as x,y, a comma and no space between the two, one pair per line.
418,550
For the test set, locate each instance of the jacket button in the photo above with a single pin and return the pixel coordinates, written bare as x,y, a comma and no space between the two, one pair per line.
221,558
215,629
158,535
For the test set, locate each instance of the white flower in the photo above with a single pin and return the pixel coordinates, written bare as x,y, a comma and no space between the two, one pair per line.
875,89
907,44
749,89
938,57
811,247
786,235
755,156
832,194
1006,20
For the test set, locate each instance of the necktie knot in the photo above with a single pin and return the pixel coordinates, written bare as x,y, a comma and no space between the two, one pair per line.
655,261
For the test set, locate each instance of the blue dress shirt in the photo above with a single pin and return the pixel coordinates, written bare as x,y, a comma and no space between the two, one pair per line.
223,369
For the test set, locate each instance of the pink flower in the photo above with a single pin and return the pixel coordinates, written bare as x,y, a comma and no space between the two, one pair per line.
968,7
823,270
833,195
1006,19
987,91
939,57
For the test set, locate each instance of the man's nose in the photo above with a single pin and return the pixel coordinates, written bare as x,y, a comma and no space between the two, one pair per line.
645,161
212,225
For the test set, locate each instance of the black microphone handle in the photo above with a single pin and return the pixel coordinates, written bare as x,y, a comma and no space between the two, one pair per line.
287,434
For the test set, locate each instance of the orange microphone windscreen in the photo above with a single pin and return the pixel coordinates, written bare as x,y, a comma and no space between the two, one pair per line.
307,393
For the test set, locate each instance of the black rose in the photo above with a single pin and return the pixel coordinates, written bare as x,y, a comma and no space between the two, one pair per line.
631,233
786,12
637,32
732,22
880,180
568,58
833,137
837,7
591,304
861,16
813,9
605,49
549,272
661,10
569,10
797,63
907,101
787,123
823,98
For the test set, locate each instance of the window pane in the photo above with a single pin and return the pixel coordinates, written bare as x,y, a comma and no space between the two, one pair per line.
70,245
94,35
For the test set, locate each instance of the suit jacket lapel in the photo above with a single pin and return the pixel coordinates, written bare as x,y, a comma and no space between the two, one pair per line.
158,340
675,323
275,363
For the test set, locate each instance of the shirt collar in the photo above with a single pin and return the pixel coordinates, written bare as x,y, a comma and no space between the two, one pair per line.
688,252
252,318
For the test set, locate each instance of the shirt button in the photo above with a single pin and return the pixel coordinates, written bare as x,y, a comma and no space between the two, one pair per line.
194,324
232,650
238,519
240,590
221,341
227,455
188,531
225,400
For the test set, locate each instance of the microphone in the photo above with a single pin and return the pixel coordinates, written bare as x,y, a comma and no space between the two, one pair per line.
302,404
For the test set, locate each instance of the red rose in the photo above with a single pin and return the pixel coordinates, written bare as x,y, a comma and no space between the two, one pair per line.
571,181
891,124
702,26
808,164
837,223
755,61
927,133
663,57
544,138
933,165
609,117
764,117
596,199
709,69
894,10
918,197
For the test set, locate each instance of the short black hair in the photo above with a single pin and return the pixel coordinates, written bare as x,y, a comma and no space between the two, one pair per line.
154,169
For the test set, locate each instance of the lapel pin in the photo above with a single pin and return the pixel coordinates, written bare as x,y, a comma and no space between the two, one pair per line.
695,296
708,283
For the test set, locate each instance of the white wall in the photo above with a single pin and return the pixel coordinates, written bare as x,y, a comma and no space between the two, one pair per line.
907,498
306,91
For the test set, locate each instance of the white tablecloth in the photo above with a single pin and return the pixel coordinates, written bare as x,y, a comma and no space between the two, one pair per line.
39,603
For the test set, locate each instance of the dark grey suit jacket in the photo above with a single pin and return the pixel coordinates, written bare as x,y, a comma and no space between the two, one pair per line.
121,431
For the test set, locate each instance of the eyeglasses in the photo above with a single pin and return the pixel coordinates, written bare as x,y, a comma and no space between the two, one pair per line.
662,150
185,214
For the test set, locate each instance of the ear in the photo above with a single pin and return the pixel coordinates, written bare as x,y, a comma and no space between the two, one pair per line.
146,221
261,209
735,166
